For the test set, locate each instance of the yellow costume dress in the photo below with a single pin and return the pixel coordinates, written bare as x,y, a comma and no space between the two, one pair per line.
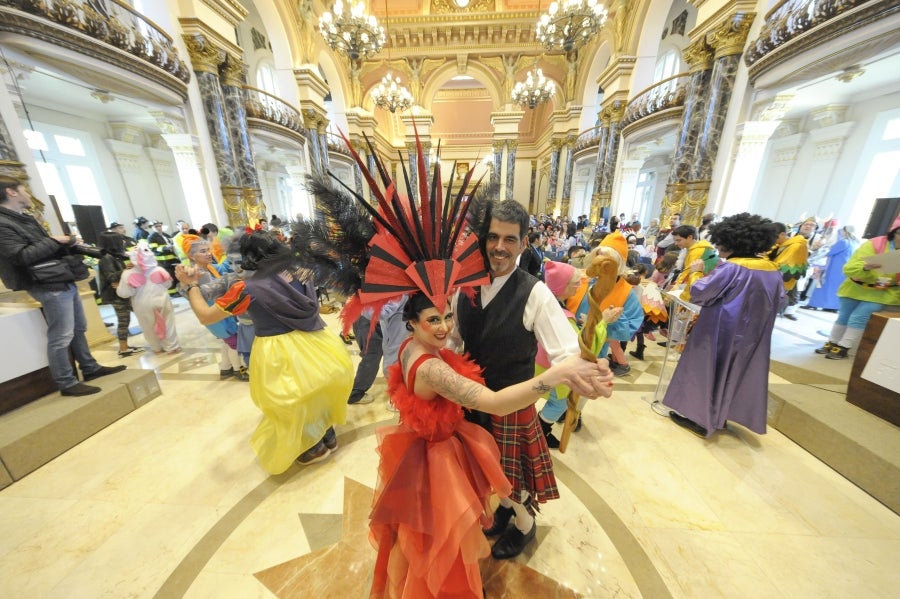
300,374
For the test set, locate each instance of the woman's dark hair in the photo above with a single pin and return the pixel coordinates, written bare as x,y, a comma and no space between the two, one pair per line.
667,262
261,248
414,306
745,235
112,242
613,223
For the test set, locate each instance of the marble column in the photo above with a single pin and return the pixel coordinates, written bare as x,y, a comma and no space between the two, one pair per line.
612,114
567,178
413,170
323,144
511,146
598,169
497,146
533,201
555,147
357,173
312,122
233,76
205,59
699,56
728,42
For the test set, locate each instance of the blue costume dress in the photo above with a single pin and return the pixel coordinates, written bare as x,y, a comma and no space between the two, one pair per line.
724,370
826,296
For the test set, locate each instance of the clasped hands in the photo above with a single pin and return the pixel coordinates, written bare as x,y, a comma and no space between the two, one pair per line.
588,378
187,274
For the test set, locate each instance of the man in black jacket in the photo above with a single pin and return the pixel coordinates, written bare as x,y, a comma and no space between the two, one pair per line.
532,258
23,244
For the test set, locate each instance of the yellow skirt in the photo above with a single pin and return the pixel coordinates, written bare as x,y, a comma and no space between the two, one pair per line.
300,381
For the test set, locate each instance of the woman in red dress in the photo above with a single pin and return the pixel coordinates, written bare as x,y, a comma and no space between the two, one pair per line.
437,470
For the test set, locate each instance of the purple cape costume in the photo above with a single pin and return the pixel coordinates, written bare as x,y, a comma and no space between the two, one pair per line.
723,372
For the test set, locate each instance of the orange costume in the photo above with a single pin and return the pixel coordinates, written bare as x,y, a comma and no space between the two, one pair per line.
436,475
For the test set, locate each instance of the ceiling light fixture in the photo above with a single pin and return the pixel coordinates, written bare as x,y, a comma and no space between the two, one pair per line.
570,24
390,94
536,89
354,33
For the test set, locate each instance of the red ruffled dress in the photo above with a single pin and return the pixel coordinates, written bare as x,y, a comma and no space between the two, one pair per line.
435,479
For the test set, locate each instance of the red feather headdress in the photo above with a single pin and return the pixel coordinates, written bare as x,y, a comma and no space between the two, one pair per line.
417,246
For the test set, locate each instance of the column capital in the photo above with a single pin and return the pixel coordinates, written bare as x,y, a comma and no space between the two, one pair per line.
205,55
729,38
698,55
234,72
512,144
497,145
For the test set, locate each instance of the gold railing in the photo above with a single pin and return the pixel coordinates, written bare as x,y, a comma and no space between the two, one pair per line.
587,138
112,22
264,106
790,18
668,93
337,144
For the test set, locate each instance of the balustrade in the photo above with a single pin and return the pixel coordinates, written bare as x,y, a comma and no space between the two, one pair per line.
668,93
264,106
112,22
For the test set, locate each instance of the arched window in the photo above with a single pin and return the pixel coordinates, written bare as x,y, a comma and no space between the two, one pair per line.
667,65
265,79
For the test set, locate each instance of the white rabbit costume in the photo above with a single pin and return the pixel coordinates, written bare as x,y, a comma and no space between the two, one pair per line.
146,284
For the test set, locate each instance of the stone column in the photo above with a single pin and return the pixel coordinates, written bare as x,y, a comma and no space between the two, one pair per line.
699,56
233,76
532,199
189,164
612,114
497,146
413,171
728,42
555,147
205,59
567,178
598,169
511,146
323,143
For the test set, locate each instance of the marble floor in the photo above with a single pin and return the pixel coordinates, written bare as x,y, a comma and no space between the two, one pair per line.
169,502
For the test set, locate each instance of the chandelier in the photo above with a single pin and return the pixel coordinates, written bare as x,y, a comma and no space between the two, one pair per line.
570,24
536,89
354,33
390,95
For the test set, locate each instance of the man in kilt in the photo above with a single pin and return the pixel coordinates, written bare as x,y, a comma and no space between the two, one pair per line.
500,329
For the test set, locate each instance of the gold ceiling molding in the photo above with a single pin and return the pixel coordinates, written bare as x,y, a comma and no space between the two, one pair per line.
443,7
459,94
230,10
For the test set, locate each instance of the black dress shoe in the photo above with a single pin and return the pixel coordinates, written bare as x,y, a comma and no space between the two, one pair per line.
790,317
502,516
513,542
104,370
79,389
688,424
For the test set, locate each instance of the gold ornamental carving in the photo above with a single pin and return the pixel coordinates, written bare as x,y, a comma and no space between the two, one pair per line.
444,7
231,199
698,55
205,56
512,145
730,37
498,146
234,72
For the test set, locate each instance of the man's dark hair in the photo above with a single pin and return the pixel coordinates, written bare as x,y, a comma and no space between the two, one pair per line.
779,228
575,248
7,183
533,236
685,231
510,211
745,235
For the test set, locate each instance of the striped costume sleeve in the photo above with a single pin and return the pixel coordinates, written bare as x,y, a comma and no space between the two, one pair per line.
235,300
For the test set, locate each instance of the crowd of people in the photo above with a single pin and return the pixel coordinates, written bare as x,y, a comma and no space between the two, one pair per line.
434,307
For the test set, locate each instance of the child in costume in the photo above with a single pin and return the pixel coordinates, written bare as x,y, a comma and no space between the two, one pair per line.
437,471
147,285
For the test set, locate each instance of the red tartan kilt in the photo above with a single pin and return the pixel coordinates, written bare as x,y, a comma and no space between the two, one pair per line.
524,455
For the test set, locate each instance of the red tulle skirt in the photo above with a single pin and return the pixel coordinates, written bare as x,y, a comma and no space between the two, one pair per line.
435,478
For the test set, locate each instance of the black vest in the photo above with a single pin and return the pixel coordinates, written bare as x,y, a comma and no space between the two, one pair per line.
495,337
